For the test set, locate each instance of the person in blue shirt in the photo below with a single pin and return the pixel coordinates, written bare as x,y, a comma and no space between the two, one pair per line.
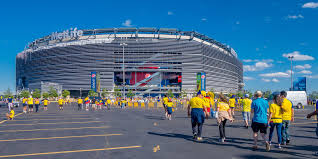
259,122
10,103
312,114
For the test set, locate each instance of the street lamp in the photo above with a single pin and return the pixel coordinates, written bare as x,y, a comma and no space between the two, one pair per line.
291,71
124,82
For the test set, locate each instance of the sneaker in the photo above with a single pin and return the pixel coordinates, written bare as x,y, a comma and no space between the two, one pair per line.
195,136
279,147
254,148
222,140
288,142
199,138
268,147
270,143
316,154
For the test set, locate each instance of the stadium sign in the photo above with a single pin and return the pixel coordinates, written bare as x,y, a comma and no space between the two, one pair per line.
71,33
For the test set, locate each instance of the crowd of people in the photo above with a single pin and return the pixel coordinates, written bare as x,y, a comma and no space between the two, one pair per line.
276,114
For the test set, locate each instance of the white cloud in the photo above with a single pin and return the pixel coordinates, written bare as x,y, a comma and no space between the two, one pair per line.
248,60
246,78
127,23
305,72
312,76
237,22
289,72
170,13
264,60
204,19
257,67
275,80
265,80
276,74
298,57
310,5
299,16
302,67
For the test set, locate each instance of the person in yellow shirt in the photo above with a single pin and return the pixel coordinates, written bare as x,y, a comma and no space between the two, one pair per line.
246,103
197,114
206,104
80,103
165,101
37,104
108,103
10,115
25,104
45,103
169,108
30,104
288,116
61,103
232,103
224,114
275,119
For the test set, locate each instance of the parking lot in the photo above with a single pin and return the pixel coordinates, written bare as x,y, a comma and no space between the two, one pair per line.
137,133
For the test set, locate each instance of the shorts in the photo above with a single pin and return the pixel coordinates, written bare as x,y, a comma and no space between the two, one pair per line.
197,115
246,116
60,105
259,127
24,105
30,105
93,105
169,110
80,105
232,107
208,109
45,105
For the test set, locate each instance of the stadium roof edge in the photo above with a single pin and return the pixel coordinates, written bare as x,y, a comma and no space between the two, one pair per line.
172,31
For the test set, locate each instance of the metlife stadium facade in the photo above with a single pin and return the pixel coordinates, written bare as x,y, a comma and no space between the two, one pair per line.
154,61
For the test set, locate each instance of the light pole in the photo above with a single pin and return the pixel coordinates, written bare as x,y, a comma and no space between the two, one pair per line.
291,71
124,82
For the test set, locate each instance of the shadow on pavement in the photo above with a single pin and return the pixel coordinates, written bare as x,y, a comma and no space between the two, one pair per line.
238,143
155,117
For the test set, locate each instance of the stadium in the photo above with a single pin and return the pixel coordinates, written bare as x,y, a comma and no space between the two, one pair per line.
145,61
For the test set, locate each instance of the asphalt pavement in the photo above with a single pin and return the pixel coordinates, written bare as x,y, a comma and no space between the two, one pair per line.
138,133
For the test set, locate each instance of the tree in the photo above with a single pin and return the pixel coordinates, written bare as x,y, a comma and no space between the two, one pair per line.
130,94
117,92
170,94
183,94
45,95
104,93
25,94
313,95
7,93
92,93
36,93
239,94
267,94
52,92
65,93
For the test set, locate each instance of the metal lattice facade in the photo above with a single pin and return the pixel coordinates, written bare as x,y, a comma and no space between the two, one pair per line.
156,54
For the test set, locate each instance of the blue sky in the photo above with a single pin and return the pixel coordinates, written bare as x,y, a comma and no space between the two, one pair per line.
261,32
